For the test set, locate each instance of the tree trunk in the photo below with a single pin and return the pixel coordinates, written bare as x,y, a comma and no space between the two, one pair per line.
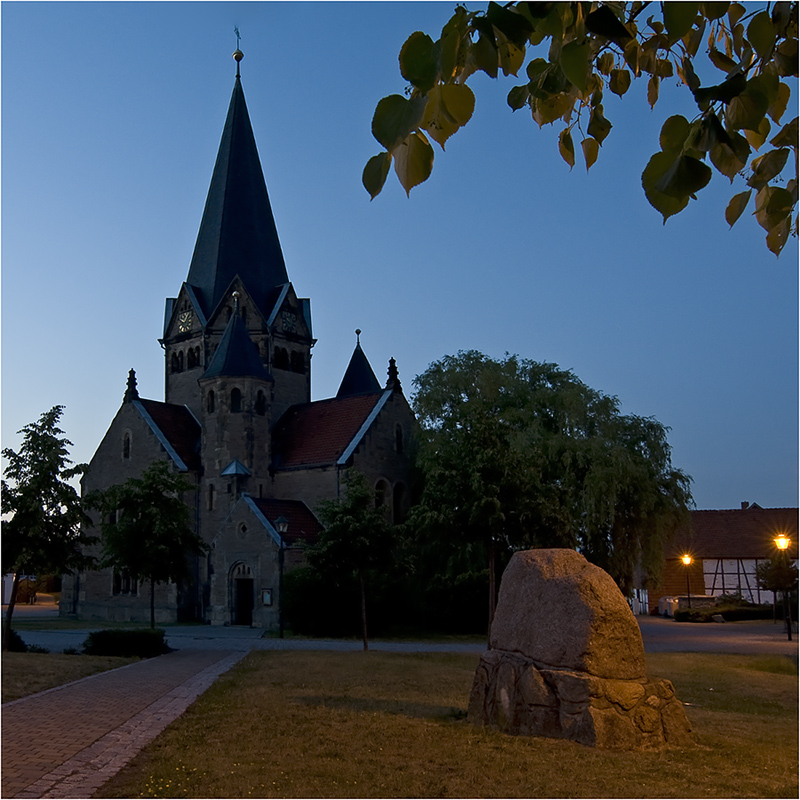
12,601
492,591
363,610
152,604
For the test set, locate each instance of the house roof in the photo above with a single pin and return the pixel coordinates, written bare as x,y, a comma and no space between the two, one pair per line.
736,533
237,353
321,433
358,377
237,233
303,525
177,430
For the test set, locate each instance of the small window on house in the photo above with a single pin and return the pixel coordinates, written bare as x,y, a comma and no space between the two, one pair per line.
123,583
381,492
261,403
298,362
126,445
211,402
243,312
281,358
190,358
236,400
176,362
211,497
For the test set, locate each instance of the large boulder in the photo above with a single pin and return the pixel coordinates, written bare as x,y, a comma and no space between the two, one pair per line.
566,613
567,661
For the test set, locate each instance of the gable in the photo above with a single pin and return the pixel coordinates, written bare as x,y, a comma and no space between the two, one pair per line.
324,432
176,429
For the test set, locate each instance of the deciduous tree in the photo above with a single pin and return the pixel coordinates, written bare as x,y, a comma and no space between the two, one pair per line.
43,522
572,54
356,540
147,530
517,453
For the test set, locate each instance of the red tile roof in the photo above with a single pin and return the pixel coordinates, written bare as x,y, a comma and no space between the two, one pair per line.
737,533
316,434
179,428
303,525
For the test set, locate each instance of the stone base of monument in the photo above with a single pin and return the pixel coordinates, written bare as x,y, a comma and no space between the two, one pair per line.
567,661
517,696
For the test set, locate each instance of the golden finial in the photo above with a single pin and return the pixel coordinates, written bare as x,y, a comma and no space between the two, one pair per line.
238,55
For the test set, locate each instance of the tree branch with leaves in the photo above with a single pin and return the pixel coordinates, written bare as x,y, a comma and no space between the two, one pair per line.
575,53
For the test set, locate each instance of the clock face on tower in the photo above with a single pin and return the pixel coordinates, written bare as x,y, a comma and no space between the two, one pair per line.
184,321
289,321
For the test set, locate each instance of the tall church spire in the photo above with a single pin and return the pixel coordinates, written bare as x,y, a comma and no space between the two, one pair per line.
237,232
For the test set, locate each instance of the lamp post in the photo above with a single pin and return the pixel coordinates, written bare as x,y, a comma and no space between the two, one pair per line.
782,542
282,524
687,562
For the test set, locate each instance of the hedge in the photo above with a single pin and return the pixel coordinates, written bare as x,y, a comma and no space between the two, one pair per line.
141,643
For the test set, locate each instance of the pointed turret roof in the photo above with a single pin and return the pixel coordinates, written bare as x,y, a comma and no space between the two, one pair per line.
237,233
358,377
237,354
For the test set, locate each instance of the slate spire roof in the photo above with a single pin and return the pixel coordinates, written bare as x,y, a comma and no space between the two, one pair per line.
237,353
237,232
358,377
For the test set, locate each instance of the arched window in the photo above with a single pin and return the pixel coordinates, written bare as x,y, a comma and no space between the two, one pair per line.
281,358
236,401
298,362
176,363
190,358
126,445
211,496
211,402
381,493
261,403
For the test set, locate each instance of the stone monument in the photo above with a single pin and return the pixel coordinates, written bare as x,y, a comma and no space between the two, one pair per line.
567,661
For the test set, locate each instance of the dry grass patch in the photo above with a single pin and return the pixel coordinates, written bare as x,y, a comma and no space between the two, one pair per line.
311,724
28,673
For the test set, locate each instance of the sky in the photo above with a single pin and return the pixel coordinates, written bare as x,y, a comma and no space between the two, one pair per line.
111,119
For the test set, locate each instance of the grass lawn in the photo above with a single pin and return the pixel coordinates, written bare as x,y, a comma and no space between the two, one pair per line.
28,673
314,724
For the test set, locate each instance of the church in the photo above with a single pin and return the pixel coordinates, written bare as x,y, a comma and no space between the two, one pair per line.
237,417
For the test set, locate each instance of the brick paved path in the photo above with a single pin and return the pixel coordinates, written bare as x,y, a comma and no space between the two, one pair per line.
68,741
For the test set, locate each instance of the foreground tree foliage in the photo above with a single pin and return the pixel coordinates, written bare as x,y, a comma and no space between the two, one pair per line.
146,525
517,453
42,514
356,541
573,53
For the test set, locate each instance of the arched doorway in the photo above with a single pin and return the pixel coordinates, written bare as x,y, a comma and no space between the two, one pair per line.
242,594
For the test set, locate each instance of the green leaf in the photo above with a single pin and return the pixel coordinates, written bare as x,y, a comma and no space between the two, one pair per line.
419,61
787,136
566,147
736,207
757,138
684,177
452,44
773,204
375,172
674,133
767,167
779,104
413,161
603,22
620,81
511,56
449,107
549,109
657,166
735,12
761,34
591,149
779,234
725,91
652,90
714,10
518,97
605,63
746,110
576,63
721,61
395,118
599,127
485,53
679,18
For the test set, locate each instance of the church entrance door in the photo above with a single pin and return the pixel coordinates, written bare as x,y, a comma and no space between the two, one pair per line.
243,595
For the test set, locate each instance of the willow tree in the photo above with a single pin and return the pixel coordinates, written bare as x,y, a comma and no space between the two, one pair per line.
572,54
516,453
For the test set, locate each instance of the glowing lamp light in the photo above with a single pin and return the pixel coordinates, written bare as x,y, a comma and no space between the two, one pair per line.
782,542
686,559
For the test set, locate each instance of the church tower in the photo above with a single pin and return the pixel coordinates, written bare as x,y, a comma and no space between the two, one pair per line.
237,251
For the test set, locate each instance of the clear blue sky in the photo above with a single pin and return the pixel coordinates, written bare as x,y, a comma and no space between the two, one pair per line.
111,118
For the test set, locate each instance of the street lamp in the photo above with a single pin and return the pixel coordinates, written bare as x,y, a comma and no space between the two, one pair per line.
282,524
687,562
782,542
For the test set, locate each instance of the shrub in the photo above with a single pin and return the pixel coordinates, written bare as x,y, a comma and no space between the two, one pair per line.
15,643
142,643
